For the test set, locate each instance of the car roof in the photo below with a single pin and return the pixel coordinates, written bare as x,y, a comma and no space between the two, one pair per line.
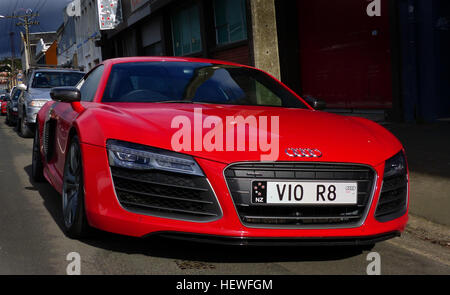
168,59
57,70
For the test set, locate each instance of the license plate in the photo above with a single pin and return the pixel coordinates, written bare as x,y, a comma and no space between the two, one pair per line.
305,193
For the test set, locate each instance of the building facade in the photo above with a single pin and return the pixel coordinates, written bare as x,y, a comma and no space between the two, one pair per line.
383,59
215,29
393,63
87,32
42,50
67,43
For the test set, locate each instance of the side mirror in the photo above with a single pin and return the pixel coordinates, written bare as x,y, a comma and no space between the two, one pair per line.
315,103
22,87
65,94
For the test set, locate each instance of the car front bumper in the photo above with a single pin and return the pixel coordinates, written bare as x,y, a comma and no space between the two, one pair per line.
31,115
276,242
106,213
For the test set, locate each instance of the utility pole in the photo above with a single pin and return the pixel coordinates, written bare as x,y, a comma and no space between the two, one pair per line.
13,49
27,22
13,57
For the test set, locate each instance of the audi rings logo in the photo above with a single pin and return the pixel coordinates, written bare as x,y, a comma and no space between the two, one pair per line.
303,153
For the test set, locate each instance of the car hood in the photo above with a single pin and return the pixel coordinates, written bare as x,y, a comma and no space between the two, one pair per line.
339,139
39,93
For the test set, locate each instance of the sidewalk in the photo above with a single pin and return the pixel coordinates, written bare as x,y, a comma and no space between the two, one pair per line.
428,152
428,231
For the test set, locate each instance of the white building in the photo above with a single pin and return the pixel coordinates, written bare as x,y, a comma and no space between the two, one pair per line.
87,32
67,46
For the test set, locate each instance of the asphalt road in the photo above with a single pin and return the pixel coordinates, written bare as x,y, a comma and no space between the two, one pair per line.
32,242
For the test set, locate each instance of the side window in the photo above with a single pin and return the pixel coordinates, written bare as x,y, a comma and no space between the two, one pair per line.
90,84
16,95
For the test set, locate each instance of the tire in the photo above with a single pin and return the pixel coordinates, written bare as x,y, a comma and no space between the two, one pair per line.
16,126
24,130
74,221
37,170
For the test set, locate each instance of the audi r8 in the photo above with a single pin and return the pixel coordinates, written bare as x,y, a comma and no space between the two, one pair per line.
218,152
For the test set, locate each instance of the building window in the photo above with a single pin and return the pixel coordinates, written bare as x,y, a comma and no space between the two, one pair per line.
151,38
186,33
230,20
155,49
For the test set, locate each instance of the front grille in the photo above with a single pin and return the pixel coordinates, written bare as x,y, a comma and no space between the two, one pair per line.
239,178
393,198
166,194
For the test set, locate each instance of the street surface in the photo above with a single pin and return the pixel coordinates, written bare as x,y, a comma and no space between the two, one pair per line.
32,241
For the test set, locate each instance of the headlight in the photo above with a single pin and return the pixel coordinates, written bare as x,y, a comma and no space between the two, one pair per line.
14,109
140,157
395,166
38,103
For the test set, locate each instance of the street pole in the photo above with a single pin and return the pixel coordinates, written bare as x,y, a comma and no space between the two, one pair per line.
27,22
13,57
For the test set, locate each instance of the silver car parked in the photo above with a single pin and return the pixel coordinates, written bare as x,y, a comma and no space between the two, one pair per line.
37,92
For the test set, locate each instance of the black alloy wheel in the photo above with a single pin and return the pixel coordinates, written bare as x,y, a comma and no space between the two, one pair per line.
74,216
37,170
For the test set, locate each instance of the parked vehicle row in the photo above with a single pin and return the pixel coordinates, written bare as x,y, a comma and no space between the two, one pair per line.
37,93
25,100
11,107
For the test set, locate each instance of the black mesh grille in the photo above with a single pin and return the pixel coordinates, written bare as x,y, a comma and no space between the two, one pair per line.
165,194
239,178
393,198
48,136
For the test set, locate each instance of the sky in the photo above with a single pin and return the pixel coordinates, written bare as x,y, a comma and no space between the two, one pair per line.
50,18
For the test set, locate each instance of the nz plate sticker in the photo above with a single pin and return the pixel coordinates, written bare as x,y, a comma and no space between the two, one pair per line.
259,192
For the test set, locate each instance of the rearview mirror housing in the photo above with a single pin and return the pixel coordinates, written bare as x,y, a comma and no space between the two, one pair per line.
66,94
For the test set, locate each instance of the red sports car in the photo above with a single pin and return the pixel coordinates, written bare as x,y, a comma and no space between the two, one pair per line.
217,152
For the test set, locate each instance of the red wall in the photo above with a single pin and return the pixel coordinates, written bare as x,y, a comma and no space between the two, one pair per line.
238,54
345,55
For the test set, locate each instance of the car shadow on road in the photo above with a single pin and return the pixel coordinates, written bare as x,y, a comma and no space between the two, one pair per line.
51,198
186,250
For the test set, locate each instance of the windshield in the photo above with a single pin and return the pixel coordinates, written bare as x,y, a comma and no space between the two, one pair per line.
55,79
195,83
16,95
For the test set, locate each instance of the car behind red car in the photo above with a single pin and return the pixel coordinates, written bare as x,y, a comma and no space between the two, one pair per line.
215,151
3,103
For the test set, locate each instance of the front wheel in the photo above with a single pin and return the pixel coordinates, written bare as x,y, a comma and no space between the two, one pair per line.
74,216
7,120
24,129
37,170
